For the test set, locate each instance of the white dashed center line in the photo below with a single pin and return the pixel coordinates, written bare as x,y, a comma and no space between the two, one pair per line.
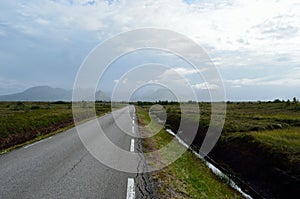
132,145
130,189
130,183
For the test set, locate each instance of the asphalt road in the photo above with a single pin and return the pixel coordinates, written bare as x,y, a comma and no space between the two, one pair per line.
61,167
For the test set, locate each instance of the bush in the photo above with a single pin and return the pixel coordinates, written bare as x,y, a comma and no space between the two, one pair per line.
19,106
277,101
35,108
60,102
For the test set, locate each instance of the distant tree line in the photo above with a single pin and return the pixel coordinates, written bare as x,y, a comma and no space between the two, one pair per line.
288,101
157,102
166,102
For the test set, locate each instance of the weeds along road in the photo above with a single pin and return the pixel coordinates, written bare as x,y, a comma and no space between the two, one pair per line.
61,167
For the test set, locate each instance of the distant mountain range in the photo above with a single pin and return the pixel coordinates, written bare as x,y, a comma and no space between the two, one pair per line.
46,93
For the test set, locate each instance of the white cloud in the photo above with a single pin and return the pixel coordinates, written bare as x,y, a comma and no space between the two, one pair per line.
256,27
290,79
177,72
246,81
185,71
223,25
235,33
205,86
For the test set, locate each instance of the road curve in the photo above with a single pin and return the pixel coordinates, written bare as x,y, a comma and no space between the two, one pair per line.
61,167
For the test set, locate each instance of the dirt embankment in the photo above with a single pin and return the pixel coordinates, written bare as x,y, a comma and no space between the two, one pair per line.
269,171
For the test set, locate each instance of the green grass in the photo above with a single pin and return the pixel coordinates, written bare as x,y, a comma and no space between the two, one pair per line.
21,122
187,177
287,139
260,141
245,116
284,143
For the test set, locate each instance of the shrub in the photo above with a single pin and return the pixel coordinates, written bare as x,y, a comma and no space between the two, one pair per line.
35,108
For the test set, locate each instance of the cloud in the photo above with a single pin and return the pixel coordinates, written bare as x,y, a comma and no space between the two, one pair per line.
177,72
213,24
278,27
290,79
246,82
240,36
287,82
205,86
185,71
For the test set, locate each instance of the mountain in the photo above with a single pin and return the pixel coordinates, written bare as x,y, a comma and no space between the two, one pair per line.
39,93
46,93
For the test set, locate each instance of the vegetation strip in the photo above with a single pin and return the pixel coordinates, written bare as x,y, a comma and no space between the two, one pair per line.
213,168
187,177
43,137
23,123
259,142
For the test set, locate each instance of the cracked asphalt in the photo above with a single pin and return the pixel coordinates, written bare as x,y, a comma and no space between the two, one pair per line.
61,167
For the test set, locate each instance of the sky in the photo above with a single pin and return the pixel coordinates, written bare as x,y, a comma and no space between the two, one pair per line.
255,45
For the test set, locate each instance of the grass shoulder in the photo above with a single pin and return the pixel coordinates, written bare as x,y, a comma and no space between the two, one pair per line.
188,176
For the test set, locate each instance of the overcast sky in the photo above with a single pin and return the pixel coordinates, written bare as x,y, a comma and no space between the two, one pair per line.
254,44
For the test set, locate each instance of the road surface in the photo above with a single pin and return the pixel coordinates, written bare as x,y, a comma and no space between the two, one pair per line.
61,167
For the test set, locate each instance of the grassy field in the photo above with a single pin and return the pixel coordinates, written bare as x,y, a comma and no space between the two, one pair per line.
24,121
248,116
287,139
285,142
260,142
276,124
187,177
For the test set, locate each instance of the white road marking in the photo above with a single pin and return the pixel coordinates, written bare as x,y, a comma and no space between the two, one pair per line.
30,145
132,121
132,129
130,189
132,145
